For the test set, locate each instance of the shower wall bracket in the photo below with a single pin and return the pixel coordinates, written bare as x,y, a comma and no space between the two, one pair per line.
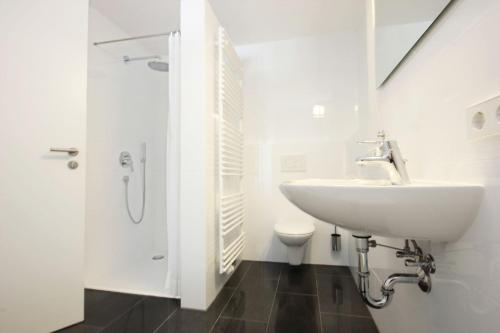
414,257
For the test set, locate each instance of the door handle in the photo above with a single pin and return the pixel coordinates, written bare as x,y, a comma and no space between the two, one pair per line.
69,151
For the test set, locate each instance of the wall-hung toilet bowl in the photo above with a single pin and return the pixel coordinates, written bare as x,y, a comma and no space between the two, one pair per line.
295,237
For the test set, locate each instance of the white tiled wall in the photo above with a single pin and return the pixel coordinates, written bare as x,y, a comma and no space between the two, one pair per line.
423,106
283,82
200,278
127,105
192,199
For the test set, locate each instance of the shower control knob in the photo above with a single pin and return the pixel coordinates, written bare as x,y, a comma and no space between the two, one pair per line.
72,165
126,160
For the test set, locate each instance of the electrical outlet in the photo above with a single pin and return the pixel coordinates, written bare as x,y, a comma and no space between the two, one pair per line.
293,163
483,119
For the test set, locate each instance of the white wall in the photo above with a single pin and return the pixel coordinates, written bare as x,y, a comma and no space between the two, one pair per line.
127,105
423,107
200,278
283,80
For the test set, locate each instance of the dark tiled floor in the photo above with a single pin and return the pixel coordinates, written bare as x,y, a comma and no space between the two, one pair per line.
339,295
110,312
254,294
260,297
298,279
295,313
336,323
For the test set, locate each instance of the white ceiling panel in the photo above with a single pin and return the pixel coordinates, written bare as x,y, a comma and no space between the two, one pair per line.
256,21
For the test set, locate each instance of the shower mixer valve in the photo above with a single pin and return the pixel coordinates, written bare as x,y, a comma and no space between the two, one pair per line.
126,160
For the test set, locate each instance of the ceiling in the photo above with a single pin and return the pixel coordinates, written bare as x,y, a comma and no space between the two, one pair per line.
256,21
393,12
247,21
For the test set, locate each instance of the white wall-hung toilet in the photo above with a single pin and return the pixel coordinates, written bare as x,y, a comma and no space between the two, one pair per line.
295,237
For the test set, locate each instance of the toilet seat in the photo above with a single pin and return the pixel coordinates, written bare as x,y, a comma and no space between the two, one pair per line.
294,229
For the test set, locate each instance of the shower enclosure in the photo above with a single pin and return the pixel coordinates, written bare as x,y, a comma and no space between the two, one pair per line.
132,194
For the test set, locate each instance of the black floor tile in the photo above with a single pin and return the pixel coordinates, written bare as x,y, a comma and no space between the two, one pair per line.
265,270
191,321
295,314
298,279
240,272
187,321
339,295
81,328
259,295
225,325
334,270
130,322
252,300
101,307
218,305
145,317
347,324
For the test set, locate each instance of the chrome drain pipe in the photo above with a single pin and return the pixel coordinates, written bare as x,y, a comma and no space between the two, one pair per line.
421,278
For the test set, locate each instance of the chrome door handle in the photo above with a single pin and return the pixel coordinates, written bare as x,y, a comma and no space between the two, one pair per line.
69,151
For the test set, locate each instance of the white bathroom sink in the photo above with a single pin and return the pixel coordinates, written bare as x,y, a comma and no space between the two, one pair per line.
421,210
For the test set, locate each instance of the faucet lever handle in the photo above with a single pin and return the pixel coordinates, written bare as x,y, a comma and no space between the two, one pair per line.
368,142
380,139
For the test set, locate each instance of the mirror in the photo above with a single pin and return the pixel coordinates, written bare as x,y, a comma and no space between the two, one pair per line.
399,24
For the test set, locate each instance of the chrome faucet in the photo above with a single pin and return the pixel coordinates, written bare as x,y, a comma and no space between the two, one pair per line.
387,153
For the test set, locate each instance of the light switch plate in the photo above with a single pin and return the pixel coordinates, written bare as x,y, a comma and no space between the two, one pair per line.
293,163
483,119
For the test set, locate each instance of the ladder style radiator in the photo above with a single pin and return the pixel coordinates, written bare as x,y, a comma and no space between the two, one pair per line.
230,197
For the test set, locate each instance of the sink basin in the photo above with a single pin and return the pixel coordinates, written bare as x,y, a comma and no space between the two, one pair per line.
421,210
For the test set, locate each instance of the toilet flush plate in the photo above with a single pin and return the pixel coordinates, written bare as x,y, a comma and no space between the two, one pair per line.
293,163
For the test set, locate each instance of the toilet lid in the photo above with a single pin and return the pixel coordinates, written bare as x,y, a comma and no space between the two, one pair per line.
294,228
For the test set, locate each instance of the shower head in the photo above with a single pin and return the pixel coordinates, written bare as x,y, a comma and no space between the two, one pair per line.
155,64
158,65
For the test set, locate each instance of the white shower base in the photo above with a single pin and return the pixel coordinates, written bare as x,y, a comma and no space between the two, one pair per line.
144,276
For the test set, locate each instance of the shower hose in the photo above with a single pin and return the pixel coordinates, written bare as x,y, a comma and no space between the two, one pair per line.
126,180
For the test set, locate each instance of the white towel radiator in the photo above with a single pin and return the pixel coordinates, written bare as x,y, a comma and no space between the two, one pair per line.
230,198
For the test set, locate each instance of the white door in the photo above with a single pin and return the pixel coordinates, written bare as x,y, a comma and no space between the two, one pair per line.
43,50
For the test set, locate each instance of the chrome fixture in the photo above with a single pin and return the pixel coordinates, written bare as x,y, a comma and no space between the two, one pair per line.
135,38
336,241
70,151
72,165
160,66
424,264
126,161
154,64
127,59
158,257
387,154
